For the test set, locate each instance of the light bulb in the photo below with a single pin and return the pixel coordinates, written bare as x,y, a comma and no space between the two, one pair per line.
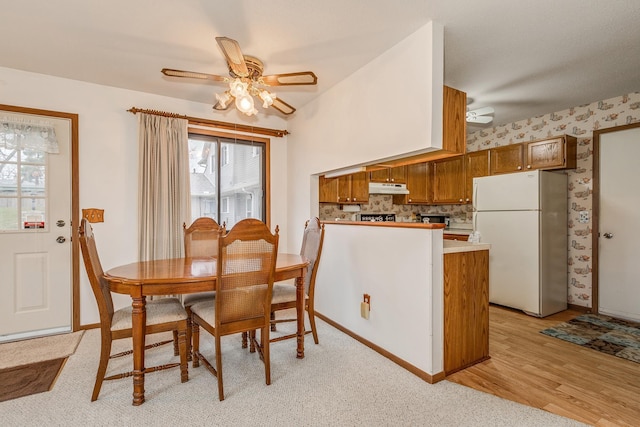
237,88
244,103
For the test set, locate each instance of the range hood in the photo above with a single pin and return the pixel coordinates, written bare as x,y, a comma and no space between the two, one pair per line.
387,188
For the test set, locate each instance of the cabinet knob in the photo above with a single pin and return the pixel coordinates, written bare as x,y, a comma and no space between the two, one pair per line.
348,199
354,199
468,200
409,200
528,166
392,180
460,200
519,167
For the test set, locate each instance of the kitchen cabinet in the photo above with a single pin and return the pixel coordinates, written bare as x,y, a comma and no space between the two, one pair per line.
454,120
353,188
396,174
327,190
466,309
448,180
556,153
418,184
459,237
476,164
506,159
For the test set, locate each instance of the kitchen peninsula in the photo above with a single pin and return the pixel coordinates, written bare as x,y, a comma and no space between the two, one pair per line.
401,268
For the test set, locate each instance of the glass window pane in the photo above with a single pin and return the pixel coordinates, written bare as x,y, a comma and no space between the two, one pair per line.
8,154
33,180
33,212
33,156
8,179
8,213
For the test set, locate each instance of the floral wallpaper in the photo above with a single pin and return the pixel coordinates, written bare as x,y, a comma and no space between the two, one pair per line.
578,121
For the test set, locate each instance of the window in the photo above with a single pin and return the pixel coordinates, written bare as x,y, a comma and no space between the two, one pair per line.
228,177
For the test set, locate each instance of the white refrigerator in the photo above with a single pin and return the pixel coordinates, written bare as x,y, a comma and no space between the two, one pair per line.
524,217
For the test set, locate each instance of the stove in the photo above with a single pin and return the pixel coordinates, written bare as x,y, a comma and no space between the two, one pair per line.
378,217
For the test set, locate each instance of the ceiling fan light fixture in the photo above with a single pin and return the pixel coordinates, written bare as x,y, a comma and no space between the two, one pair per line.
268,98
238,88
223,99
244,103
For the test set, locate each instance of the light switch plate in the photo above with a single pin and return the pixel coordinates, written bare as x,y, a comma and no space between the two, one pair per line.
364,310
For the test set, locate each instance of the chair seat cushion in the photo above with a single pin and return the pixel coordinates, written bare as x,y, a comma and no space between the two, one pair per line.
190,299
284,292
206,310
158,311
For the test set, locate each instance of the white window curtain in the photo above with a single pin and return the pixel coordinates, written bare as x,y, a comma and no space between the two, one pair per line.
163,201
19,134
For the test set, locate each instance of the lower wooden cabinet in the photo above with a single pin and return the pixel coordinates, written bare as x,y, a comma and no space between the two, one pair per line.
466,309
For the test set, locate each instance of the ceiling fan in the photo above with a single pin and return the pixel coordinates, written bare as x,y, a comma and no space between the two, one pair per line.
480,115
247,81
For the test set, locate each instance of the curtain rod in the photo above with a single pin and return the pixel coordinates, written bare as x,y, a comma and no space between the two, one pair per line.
215,123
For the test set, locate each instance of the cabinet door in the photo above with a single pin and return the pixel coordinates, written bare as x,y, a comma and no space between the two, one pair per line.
398,174
381,175
476,165
506,159
448,180
418,183
359,187
548,154
344,189
328,190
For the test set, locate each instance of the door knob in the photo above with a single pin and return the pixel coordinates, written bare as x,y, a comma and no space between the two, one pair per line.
608,235
60,223
61,239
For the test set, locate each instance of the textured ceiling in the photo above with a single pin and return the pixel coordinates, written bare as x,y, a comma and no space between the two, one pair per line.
524,58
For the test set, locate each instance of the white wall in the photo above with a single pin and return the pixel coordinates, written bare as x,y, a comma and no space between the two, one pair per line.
108,158
351,124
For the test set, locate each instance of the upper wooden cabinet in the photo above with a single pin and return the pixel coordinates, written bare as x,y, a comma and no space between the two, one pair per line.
418,184
353,188
506,159
454,121
557,153
396,174
476,164
328,190
448,180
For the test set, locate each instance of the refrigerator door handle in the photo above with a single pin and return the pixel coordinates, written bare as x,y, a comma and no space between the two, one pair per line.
475,197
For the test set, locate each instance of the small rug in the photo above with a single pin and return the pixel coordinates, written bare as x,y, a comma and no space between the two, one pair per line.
32,366
605,334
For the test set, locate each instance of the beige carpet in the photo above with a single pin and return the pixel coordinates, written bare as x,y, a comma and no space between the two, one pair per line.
340,382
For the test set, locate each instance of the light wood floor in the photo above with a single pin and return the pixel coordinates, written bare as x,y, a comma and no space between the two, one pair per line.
559,377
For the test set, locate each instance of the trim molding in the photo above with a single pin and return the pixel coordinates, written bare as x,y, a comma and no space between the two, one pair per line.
431,379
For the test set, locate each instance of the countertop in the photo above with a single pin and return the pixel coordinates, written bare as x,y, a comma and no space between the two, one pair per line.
419,225
455,246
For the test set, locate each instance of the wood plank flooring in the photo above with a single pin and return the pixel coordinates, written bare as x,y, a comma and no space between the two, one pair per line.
559,377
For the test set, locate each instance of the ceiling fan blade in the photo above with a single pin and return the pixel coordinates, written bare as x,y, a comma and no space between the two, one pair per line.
482,111
233,55
479,119
192,75
291,79
282,106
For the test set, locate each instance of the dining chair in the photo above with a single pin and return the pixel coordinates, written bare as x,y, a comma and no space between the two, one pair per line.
244,284
200,240
284,294
163,315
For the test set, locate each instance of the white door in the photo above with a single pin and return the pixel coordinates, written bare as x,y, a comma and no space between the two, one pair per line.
35,230
619,241
514,274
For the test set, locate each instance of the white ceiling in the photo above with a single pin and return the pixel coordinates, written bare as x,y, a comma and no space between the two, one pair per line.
524,58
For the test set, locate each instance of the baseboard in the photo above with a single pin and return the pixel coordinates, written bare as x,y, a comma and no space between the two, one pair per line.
580,308
431,379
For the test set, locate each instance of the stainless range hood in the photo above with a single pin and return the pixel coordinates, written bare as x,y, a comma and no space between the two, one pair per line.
387,188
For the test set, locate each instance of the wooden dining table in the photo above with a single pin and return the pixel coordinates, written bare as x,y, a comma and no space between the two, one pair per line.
184,276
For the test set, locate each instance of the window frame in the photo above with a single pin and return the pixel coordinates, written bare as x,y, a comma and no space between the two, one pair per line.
208,132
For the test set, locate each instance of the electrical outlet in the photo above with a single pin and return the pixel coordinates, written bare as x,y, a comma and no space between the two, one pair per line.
584,217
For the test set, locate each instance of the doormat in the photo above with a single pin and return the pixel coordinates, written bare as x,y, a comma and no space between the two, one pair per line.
605,334
32,366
